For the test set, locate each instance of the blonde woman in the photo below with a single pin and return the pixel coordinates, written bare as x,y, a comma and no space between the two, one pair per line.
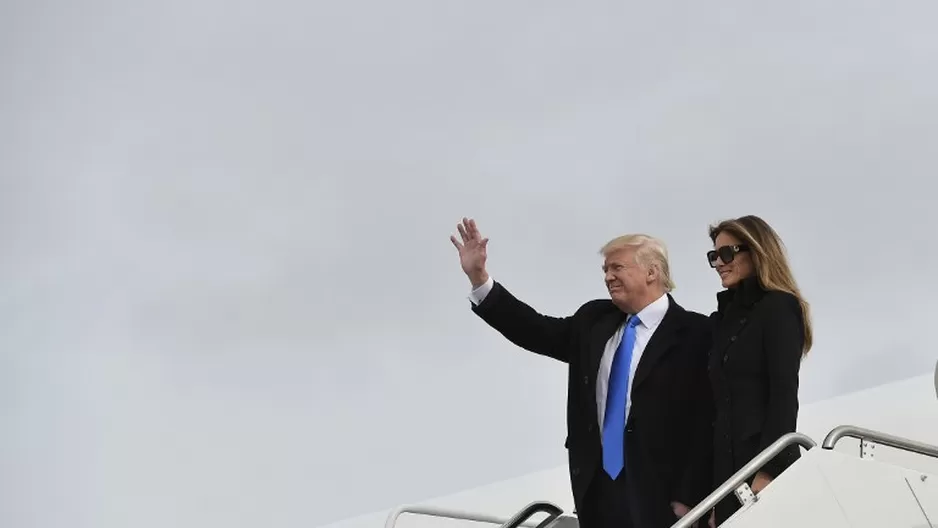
762,330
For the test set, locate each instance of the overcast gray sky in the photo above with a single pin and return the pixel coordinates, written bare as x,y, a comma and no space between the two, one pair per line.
228,294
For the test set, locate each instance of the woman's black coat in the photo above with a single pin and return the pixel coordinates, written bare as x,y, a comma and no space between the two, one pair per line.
754,366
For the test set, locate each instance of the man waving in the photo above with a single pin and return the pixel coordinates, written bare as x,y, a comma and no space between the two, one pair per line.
639,409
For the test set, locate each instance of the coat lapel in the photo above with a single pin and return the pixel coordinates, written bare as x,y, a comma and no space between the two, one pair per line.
665,336
602,331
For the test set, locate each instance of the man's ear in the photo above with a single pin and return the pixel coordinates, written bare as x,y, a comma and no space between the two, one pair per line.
651,274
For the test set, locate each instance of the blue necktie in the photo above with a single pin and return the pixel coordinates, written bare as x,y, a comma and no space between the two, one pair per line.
614,419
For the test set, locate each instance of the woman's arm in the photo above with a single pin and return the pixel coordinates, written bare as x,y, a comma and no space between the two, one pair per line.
783,343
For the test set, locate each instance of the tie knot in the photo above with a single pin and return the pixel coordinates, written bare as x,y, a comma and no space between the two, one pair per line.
634,321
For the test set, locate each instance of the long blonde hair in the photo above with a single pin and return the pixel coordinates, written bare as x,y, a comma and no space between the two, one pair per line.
770,260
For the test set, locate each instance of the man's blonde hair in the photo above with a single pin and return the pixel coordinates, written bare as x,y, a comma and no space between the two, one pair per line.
649,252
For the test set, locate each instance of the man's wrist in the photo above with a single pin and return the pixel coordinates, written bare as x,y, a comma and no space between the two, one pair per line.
478,279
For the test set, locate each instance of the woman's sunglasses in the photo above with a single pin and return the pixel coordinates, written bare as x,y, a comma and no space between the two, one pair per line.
726,254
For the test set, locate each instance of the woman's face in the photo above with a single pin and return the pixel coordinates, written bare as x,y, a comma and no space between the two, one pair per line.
740,263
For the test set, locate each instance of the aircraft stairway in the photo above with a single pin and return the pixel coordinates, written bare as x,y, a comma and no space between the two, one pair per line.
824,489
831,489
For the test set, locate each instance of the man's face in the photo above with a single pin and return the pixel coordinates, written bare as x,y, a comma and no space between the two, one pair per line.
627,281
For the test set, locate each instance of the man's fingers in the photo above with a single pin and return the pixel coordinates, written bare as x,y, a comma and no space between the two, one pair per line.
455,242
484,242
469,232
475,229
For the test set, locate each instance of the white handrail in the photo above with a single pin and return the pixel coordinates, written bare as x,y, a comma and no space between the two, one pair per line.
552,510
446,513
698,511
886,439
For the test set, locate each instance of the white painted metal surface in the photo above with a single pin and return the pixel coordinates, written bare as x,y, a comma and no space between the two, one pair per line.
802,484
737,482
828,489
936,378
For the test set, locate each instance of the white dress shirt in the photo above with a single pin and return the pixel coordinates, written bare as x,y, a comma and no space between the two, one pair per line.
650,316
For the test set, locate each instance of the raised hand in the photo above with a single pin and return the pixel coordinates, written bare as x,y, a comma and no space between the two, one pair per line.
472,253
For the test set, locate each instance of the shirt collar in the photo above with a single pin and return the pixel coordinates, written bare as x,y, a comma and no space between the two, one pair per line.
652,314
